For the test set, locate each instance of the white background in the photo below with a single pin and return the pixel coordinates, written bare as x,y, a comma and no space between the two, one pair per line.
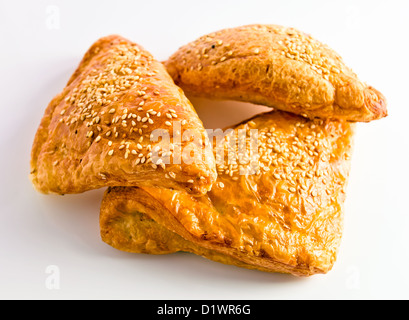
42,42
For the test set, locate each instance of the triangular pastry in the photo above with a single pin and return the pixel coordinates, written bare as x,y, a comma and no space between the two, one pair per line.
99,130
277,67
276,207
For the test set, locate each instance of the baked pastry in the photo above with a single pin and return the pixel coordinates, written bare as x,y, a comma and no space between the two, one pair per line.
135,232
102,129
277,67
276,206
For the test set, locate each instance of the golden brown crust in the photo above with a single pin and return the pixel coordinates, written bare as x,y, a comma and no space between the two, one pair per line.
277,67
286,217
97,131
133,231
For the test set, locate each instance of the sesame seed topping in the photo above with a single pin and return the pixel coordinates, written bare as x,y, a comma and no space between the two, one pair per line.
96,103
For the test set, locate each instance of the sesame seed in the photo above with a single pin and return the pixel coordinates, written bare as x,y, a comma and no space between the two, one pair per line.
111,110
110,152
168,123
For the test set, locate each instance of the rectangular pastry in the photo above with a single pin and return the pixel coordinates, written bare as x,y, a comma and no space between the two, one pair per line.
281,210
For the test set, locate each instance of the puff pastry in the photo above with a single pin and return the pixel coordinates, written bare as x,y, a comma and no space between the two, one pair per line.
98,131
278,67
279,208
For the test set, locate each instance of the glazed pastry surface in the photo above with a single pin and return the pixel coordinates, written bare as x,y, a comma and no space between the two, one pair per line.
278,208
98,131
278,67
